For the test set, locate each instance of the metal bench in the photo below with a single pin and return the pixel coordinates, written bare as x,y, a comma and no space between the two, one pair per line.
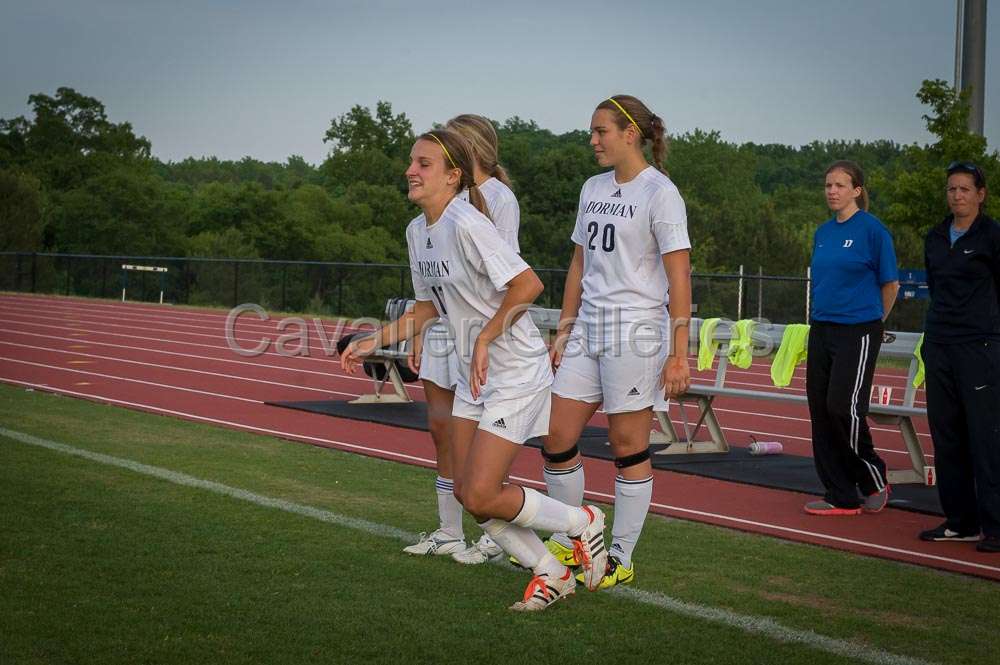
768,336
383,365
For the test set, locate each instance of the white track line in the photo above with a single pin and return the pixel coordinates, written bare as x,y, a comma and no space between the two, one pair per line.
758,625
313,356
379,452
417,385
162,315
251,320
248,323
172,368
139,381
17,318
279,368
319,390
777,435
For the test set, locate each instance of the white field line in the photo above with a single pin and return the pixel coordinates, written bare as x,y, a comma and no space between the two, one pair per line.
177,478
677,511
253,321
749,623
330,391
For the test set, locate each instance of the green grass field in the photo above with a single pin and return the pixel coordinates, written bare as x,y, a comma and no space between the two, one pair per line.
104,564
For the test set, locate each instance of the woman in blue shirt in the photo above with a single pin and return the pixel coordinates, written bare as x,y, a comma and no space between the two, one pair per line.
854,285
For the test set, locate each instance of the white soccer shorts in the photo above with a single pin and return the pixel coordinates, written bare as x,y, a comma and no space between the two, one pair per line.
622,371
438,357
516,419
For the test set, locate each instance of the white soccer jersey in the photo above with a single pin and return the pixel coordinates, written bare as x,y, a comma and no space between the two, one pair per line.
504,211
462,265
624,229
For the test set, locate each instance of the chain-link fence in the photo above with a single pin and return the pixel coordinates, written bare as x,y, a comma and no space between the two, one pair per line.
361,289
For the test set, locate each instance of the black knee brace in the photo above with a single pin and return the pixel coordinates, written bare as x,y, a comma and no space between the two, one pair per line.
564,456
632,460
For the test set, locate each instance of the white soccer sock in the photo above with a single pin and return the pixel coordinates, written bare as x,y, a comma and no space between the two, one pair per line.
565,485
546,514
521,543
632,499
449,509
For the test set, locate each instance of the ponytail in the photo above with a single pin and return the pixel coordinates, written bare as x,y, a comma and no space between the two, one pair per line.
483,141
500,173
659,143
629,110
477,199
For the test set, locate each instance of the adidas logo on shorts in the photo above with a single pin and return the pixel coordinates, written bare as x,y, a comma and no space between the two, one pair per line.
634,392
617,195
429,245
499,423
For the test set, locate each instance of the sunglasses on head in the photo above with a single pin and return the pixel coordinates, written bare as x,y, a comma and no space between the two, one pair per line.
971,169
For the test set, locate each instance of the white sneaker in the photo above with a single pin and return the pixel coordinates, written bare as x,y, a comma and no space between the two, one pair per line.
544,590
439,543
481,551
590,549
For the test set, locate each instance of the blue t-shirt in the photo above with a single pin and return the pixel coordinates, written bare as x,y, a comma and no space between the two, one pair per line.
851,260
955,234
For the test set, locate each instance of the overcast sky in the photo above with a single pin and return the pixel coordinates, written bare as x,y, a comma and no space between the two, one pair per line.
264,78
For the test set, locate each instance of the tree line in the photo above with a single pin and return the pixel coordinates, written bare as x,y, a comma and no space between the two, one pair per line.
73,181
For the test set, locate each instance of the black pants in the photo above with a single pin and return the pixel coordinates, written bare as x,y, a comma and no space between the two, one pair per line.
839,373
963,409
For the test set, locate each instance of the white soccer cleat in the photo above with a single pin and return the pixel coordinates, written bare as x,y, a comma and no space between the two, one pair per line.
438,543
480,551
544,590
590,549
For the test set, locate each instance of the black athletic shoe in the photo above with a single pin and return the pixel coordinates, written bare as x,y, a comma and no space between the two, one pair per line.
943,534
989,544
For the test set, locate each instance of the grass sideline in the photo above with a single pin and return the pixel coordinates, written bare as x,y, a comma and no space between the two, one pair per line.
101,564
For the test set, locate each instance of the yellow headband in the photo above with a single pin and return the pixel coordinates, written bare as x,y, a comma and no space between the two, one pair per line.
622,109
446,153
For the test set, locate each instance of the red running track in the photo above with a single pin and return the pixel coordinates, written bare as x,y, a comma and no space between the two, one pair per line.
176,362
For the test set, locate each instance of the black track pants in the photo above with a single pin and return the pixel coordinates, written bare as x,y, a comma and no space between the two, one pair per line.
963,410
839,373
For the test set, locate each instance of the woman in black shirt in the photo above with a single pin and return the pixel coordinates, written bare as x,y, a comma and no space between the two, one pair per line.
961,353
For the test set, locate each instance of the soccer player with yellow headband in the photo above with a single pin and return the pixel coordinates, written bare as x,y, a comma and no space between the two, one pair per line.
465,272
613,343
433,356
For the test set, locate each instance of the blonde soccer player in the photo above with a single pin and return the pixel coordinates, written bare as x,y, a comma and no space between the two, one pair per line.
631,258
436,361
463,271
